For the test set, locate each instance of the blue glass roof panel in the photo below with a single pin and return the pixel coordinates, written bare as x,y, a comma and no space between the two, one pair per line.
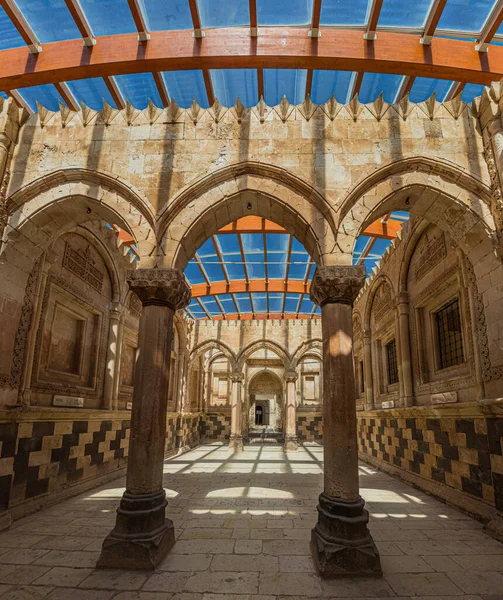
284,12
185,86
465,15
471,91
138,88
306,306
50,19
223,13
228,243
424,87
284,82
47,95
344,12
276,302
108,17
229,84
259,302
210,304
397,13
374,84
162,15
193,273
292,303
243,302
92,92
326,83
9,36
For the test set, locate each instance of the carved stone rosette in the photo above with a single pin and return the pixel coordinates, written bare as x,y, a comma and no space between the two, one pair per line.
160,287
337,284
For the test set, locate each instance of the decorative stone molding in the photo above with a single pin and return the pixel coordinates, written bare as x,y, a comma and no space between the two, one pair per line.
337,284
237,377
160,287
13,380
291,376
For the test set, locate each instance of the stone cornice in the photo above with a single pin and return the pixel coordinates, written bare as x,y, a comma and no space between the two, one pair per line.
161,287
337,284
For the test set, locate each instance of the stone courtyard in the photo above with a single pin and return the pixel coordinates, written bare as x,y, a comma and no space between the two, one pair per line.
243,523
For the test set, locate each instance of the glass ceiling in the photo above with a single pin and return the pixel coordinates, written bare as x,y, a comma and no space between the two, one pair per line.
52,21
254,269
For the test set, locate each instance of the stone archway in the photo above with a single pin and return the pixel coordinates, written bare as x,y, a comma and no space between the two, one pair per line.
266,400
240,190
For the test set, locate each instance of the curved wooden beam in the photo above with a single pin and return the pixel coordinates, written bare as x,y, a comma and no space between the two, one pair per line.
261,317
253,285
276,47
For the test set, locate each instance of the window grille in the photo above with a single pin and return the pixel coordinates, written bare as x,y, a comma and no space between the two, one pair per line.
392,362
450,339
362,378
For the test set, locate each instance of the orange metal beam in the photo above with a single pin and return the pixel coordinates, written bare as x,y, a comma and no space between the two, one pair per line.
254,285
285,47
140,19
253,18
81,21
436,10
252,224
262,316
375,11
387,230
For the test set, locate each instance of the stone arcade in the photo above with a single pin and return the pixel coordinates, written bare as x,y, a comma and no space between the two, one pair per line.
104,372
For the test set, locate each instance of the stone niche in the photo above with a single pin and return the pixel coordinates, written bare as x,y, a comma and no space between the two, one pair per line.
435,281
71,339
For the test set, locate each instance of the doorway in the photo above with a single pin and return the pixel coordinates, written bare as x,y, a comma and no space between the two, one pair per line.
259,416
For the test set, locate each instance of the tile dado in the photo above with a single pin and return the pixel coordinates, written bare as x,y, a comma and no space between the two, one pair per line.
458,447
310,427
45,452
215,426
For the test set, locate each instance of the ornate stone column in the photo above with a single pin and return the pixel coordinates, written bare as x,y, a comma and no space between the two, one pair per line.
291,412
142,535
405,355
112,354
236,439
340,541
367,370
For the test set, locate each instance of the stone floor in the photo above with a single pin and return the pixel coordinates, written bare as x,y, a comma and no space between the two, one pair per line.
243,524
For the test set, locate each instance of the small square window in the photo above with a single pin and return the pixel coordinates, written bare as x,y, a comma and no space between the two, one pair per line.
450,339
391,362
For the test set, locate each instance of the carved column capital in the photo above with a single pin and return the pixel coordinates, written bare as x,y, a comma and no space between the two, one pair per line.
291,376
337,284
160,287
237,377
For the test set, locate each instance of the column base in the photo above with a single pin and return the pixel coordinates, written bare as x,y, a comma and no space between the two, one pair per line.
291,443
236,443
341,543
142,535
5,521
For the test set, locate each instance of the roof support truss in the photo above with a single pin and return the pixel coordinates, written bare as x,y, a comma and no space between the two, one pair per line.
161,88
315,32
140,20
67,96
196,19
115,92
22,25
394,53
253,18
81,21
436,10
375,11
490,28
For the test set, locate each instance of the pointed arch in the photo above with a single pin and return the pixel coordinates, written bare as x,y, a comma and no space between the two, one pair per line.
264,344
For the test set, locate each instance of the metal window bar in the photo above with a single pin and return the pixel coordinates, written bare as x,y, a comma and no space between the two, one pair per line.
391,362
450,339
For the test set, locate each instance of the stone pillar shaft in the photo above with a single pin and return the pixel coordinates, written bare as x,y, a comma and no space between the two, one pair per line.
236,439
405,354
291,412
142,535
112,352
340,541
367,371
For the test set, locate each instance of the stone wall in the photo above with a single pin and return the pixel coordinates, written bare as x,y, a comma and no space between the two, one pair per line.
215,426
43,453
458,447
310,427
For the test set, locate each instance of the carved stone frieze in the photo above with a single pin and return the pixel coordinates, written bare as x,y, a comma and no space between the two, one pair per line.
489,373
80,263
337,284
496,193
430,253
161,287
14,379
383,301
135,305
